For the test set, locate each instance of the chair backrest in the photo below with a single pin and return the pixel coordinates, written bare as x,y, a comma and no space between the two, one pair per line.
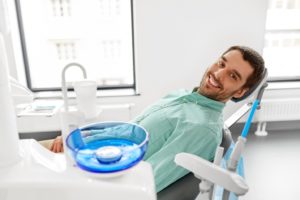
226,134
226,139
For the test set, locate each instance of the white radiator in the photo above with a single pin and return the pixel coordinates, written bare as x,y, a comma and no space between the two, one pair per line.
279,110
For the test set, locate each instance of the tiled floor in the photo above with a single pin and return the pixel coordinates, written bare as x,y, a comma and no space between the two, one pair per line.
272,166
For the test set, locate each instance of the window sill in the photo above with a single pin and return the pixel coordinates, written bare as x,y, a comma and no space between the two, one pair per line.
283,85
102,93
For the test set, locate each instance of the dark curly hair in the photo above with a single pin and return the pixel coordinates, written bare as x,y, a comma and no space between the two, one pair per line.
255,60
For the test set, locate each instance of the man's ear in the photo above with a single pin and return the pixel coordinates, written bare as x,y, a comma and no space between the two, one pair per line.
238,94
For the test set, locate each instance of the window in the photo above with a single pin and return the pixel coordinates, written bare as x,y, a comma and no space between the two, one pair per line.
98,34
282,40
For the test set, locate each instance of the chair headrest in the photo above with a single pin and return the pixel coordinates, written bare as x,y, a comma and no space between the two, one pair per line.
255,86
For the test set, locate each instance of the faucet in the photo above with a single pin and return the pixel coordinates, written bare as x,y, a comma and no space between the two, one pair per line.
63,82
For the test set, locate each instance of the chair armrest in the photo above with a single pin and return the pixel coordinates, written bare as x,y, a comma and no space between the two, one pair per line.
215,174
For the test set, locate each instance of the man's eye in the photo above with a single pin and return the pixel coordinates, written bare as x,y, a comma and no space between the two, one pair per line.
221,64
233,76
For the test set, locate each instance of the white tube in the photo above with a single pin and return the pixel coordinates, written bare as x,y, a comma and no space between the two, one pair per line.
9,141
236,153
4,25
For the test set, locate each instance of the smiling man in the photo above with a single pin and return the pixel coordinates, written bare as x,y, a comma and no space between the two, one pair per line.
192,122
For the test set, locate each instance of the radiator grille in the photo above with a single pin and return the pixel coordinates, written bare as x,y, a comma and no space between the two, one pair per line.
279,110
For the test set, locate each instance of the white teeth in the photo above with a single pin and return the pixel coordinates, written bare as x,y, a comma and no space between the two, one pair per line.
213,82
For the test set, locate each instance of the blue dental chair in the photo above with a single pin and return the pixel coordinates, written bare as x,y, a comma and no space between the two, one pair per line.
222,179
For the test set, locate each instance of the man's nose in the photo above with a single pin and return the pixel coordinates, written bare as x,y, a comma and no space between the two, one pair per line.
219,74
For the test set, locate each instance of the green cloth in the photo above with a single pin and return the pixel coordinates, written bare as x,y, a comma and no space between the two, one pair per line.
180,122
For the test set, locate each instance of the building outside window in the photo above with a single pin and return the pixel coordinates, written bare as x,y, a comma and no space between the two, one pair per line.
98,34
282,40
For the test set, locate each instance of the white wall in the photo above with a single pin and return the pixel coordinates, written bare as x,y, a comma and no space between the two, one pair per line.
176,40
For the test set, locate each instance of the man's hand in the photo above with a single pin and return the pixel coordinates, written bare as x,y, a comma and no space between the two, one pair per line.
57,145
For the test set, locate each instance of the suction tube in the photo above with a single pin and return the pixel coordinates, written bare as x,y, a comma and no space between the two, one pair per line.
249,120
235,156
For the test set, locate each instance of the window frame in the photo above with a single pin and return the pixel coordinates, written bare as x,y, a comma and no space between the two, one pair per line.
50,89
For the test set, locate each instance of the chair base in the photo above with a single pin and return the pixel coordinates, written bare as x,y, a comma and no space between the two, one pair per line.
186,188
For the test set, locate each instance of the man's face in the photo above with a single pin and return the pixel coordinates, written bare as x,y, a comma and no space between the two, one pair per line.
226,77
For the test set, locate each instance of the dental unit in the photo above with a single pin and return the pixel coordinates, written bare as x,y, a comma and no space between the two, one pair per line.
29,171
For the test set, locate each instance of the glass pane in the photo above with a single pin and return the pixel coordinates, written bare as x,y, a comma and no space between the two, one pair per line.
281,54
282,39
283,19
95,33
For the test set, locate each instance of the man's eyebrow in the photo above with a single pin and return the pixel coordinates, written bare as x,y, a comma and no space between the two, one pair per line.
234,71
238,74
223,58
